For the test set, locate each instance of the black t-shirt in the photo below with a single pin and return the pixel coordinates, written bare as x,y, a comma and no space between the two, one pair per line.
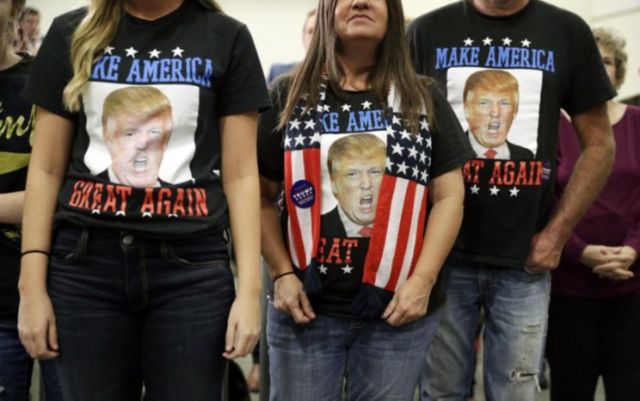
518,72
16,127
146,154
349,197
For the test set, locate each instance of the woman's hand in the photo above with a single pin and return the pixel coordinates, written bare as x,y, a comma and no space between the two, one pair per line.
410,301
37,326
594,255
290,298
617,262
243,326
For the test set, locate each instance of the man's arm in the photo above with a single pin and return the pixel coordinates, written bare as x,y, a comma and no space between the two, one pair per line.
589,176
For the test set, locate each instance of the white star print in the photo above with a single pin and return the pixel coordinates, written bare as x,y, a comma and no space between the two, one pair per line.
405,134
155,53
389,130
320,109
415,172
514,192
424,176
428,142
295,124
177,52
402,168
323,269
366,105
424,125
389,164
299,140
506,41
419,139
109,50
487,41
475,189
413,152
326,108
315,138
323,95
423,158
131,52
468,42
347,269
526,43
287,142
395,120
494,190
346,107
309,124
397,149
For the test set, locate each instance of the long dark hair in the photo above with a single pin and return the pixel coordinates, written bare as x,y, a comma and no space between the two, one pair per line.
393,65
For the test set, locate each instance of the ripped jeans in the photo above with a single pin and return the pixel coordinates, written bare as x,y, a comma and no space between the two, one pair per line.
515,304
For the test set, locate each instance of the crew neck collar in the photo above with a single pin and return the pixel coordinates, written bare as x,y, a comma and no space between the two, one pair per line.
473,10
173,16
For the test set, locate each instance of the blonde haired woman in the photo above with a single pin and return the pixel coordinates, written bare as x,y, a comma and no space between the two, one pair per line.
130,285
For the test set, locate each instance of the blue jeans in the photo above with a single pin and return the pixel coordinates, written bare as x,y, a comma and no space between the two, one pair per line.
16,367
132,310
515,305
332,359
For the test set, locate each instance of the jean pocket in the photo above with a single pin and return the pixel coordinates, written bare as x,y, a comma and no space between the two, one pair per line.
201,252
69,245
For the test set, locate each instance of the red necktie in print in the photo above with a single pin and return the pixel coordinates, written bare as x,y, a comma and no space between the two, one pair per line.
366,231
490,154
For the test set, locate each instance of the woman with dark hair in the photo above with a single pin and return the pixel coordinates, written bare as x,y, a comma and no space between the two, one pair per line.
355,263
594,314
128,281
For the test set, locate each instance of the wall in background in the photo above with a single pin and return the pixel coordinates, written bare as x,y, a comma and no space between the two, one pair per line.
276,25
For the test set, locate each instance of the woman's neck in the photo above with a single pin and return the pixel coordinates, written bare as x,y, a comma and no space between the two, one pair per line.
151,9
356,63
7,56
615,110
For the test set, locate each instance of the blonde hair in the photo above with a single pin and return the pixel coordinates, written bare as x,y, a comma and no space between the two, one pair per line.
355,147
95,32
493,81
139,101
612,41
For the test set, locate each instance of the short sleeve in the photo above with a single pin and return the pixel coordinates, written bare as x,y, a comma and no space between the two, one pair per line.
589,84
51,70
270,150
451,147
244,88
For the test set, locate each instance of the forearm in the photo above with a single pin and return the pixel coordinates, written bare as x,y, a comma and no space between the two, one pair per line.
244,214
273,246
441,232
589,176
11,207
39,208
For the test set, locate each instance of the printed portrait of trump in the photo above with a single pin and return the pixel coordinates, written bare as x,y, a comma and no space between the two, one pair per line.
136,127
356,165
491,99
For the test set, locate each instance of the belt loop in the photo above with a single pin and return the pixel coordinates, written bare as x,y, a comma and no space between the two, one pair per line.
83,243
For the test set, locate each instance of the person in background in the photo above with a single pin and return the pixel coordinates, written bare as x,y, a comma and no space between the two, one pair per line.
28,39
594,314
353,312
511,237
16,136
131,287
307,33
